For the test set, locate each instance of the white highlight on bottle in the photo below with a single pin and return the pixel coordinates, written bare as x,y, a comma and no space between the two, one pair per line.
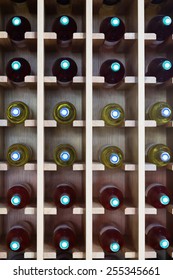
64,244
64,112
165,157
115,114
65,156
15,112
64,20
16,21
15,156
114,158
166,112
16,65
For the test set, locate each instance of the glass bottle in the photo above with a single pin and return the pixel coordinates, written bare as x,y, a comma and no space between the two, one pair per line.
19,196
19,1
111,156
64,256
65,155
16,28
19,236
64,26
158,154
111,239
64,113
157,195
17,112
113,114
16,70
18,154
108,7
161,68
64,69
64,237
161,112
157,236
114,29
113,71
110,197
64,195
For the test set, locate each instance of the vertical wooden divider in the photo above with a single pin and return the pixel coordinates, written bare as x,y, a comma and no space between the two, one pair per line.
141,131
40,129
89,131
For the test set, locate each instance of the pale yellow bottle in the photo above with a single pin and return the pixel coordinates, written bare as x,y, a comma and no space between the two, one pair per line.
18,154
161,112
111,156
64,113
65,155
17,112
113,114
158,154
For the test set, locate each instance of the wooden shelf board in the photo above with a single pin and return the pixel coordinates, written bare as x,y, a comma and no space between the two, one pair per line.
3,166
150,210
30,166
49,252
150,80
50,209
30,254
126,123
150,123
170,251
150,167
150,253
97,208
170,208
3,252
30,210
150,37
52,80
30,123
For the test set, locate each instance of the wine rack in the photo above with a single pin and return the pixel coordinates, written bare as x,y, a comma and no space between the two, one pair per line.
88,133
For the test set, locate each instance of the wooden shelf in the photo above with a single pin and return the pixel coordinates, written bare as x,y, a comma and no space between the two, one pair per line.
98,253
150,210
29,210
128,81
29,81
150,253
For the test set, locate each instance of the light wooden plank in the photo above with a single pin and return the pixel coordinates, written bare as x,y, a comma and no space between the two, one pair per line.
150,210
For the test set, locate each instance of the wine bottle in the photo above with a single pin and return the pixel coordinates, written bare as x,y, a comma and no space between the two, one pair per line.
18,154
16,28
64,69
64,195
63,2
64,237
17,112
108,8
113,71
157,236
65,155
161,112
111,239
64,256
19,236
111,156
158,154
161,68
19,1
16,70
114,29
157,195
19,196
64,26
64,113
157,1
113,114
110,197
16,256
110,2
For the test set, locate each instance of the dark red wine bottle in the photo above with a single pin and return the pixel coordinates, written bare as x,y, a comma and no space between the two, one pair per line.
19,1
16,28
113,71
111,239
110,197
16,70
19,196
110,2
64,26
114,29
64,69
64,256
157,236
161,68
19,236
64,237
157,195
63,2
64,195
157,1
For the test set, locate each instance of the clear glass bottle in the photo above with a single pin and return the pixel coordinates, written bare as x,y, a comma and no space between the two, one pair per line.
161,112
110,197
64,237
65,155
19,196
113,71
64,195
17,112
157,236
113,114
158,154
16,70
111,156
64,113
157,195
18,154
161,68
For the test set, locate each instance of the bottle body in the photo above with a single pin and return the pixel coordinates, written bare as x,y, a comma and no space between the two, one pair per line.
111,156
19,236
108,7
157,236
16,70
18,154
113,114
64,69
64,113
113,71
19,196
65,155
157,195
17,112
64,195
64,237
110,197
111,239
161,112
161,68
158,154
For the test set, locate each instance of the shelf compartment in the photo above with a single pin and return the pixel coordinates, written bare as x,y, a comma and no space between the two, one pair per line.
29,210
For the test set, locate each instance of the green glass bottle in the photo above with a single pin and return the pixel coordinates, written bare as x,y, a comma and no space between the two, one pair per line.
111,156
64,113
18,154
161,112
158,154
113,114
65,155
17,112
